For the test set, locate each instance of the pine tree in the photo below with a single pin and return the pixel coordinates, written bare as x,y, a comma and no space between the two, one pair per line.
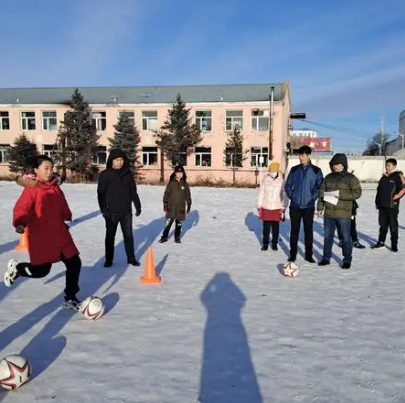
177,133
21,155
77,138
234,152
127,138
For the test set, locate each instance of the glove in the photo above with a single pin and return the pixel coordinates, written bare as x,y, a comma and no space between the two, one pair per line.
282,215
165,207
260,211
138,213
20,229
188,208
106,215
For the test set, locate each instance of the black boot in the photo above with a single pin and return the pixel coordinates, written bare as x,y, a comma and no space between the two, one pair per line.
324,262
345,266
274,246
133,262
310,259
358,245
378,245
265,247
162,239
394,247
107,264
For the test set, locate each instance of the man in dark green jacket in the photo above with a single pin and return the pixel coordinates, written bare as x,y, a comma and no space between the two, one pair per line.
336,196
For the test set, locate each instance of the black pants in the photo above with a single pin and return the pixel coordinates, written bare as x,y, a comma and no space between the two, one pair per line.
275,227
388,218
177,229
353,231
307,215
111,224
73,267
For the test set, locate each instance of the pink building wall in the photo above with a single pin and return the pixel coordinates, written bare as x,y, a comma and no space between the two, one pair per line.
216,138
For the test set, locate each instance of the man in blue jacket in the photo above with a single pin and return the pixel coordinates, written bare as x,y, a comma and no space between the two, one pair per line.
302,188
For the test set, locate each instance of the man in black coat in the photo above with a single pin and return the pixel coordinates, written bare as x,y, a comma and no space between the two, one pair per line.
116,192
391,188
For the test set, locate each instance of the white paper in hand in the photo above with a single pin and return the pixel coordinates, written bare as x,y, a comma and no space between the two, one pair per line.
331,197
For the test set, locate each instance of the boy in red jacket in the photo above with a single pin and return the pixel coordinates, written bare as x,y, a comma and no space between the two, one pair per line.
42,211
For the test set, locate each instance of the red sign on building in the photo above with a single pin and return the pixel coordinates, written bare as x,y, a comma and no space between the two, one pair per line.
317,144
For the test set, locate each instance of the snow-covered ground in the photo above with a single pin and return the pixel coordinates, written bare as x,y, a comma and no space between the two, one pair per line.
223,326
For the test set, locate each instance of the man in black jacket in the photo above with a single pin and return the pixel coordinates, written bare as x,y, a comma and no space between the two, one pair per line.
391,188
116,192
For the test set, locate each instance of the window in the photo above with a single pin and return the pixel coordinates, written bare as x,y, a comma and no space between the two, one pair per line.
234,119
149,156
129,114
256,153
260,123
181,158
49,121
4,121
4,153
100,156
99,120
150,120
28,120
47,149
231,159
203,156
203,120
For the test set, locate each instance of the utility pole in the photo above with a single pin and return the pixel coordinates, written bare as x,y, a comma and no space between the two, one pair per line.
271,124
381,135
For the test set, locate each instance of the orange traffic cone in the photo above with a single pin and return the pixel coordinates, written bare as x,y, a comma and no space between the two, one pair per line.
23,244
150,276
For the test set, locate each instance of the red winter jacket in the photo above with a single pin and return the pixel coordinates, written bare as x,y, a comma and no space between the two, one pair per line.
43,210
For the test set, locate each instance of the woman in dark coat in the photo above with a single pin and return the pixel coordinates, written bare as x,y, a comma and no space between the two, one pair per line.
176,203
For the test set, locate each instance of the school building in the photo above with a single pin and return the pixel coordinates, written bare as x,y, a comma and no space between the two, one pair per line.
262,112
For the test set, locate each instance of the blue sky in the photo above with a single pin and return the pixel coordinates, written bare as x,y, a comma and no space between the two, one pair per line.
345,59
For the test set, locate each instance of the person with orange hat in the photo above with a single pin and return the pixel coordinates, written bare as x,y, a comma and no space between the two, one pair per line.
271,204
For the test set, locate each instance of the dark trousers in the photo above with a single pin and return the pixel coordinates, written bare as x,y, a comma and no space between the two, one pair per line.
307,216
111,224
353,231
177,229
73,267
343,225
275,227
388,218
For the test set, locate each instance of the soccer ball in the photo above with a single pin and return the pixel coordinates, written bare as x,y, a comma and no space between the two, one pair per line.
291,270
92,308
14,371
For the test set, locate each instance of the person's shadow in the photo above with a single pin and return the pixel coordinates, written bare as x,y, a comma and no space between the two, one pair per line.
227,373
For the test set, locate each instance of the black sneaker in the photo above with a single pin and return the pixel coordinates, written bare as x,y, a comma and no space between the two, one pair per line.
162,240
107,264
324,262
310,259
394,248
133,262
292,259
274,246
265,247
345,266
71,303
177,240
358,245
378,245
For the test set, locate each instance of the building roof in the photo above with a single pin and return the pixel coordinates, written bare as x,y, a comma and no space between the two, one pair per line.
146,95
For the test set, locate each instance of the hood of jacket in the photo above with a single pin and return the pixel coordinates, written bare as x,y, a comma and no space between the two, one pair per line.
118,153
339,159
179,168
